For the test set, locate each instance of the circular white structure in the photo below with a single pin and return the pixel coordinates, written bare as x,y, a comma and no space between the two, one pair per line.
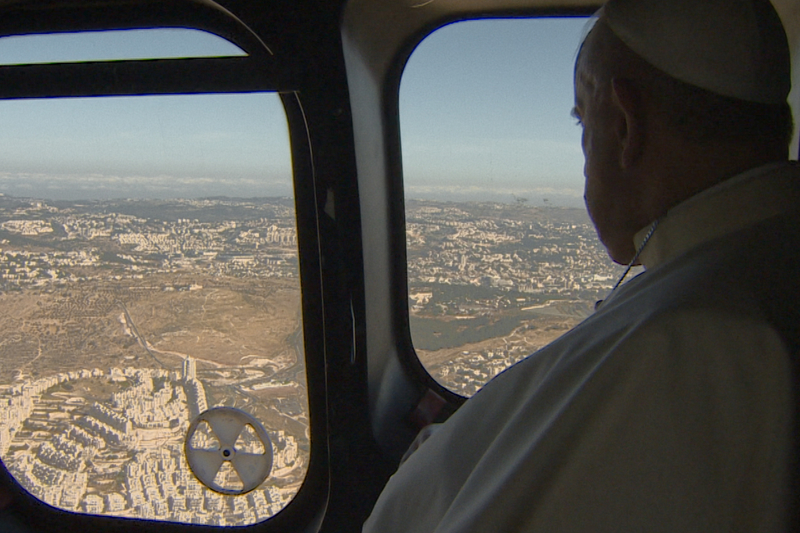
227,425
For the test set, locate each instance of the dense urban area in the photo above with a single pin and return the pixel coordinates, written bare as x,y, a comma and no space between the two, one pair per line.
491,283
123,320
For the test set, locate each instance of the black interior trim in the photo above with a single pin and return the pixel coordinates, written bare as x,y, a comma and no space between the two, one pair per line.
156,76
54,16
260,70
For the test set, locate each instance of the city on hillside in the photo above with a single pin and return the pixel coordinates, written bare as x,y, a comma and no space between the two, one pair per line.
124,319
491,283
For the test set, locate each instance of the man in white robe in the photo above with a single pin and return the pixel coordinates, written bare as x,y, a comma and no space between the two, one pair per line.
671,408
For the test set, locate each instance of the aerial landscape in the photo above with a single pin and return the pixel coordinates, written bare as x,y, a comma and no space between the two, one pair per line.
124,319
490,283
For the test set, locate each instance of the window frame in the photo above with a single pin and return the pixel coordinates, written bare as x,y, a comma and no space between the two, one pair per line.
403,395
260,71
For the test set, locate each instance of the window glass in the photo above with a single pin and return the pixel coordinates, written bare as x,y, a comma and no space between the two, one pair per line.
148,272
502,257
156,43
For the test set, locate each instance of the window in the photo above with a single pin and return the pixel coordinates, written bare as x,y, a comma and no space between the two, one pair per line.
502,257
148,271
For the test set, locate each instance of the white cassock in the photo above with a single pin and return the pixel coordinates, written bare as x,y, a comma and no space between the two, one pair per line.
670,409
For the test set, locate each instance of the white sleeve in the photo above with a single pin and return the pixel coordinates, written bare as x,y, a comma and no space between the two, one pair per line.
684,426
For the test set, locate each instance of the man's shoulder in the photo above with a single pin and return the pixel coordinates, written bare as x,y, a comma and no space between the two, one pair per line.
752,272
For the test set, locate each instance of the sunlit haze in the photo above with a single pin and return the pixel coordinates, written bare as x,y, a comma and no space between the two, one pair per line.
484,110
484,115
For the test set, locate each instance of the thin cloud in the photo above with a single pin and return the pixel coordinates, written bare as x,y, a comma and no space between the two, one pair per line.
546,195
102,186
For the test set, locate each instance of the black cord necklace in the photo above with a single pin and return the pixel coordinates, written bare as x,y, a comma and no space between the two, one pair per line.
632,262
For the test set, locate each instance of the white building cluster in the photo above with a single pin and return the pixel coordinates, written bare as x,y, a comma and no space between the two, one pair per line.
160,486
27,227
17,401
50,484
108,433
148,408
111,418
263,247
470,371
150,242
195,397
62,453
500,248
157,481
285,452
84,437
273,234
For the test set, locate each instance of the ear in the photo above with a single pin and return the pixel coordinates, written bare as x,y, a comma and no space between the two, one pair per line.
631,126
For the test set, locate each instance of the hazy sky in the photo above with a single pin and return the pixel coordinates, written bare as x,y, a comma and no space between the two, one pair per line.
484,113
484,109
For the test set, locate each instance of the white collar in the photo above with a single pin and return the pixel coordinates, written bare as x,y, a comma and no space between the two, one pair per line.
738,202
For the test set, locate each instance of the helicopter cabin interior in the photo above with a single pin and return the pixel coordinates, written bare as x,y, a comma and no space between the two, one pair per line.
333,68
